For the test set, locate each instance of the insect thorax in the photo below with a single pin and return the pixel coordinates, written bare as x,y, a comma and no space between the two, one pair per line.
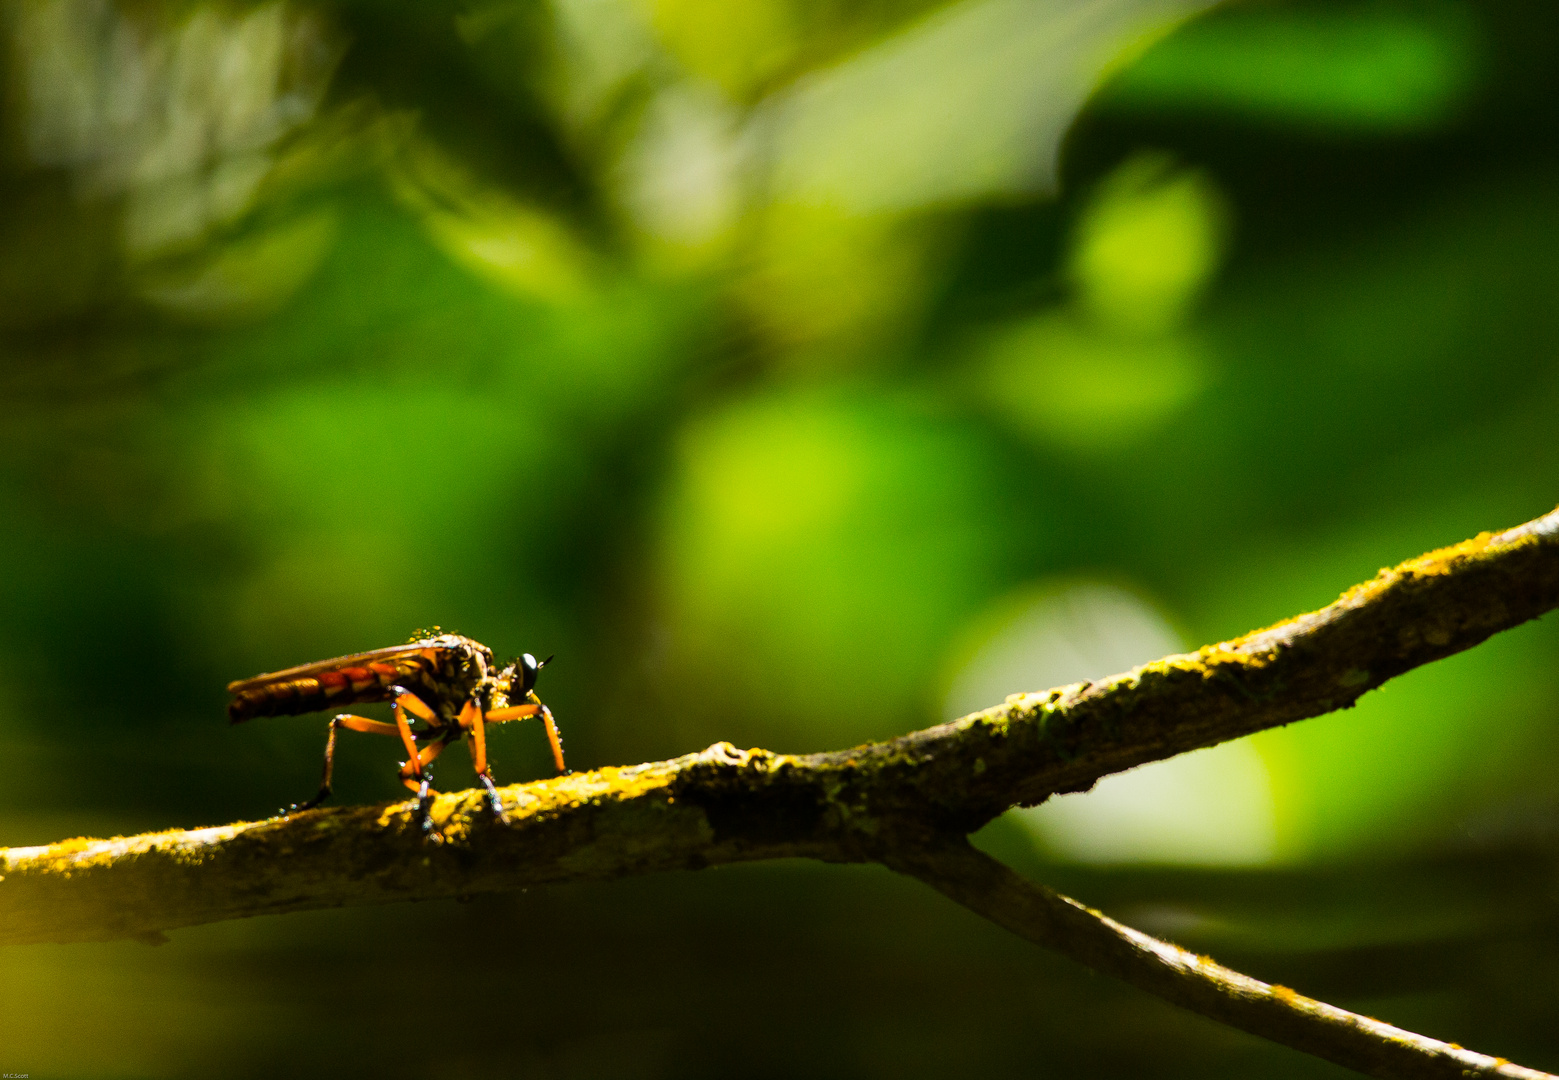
460,668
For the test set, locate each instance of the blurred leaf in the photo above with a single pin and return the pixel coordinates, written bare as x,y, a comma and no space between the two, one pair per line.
1371,66
246,277
1050,633
176,110
1113,364
966,105
970,103
835,288
683,177
522,249
1147,245
602,49
736,46
1063,383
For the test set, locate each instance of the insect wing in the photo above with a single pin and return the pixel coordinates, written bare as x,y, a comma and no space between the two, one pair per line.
345,680
361,659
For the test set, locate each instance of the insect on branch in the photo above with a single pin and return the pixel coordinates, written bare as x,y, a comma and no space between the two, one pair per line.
906,802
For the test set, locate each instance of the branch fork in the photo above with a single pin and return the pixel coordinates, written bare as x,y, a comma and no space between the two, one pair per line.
908,803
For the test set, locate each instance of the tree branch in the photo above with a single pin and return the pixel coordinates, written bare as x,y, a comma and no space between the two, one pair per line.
892,802
1196,983
725,805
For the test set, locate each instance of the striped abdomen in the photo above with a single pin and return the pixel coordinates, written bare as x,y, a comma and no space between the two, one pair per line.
317,690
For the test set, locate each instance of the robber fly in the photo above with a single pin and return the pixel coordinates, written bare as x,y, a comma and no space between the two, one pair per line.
446,682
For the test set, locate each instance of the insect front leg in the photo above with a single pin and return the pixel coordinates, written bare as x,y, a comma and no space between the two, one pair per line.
352,723
554,737
535,708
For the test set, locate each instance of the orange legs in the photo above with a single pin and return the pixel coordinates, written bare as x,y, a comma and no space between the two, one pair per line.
471,720
415,772
406,701
520,712
416,775
553,737
351,723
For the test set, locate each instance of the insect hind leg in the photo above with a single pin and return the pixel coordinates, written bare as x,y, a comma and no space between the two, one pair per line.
351,723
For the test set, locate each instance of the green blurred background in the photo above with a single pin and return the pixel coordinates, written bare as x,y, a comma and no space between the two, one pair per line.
800,372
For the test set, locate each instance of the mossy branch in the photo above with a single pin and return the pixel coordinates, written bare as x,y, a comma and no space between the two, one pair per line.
889,802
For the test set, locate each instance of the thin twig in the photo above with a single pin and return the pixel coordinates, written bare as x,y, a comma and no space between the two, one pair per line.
985,886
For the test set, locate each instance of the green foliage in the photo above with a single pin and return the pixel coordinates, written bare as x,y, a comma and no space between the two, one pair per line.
772,364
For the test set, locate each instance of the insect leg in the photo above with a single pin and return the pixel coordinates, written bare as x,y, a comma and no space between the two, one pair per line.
512,712
471,717
406,701
415,705
471,720
520,712
352,723
554,738
492,797
424,801
417,774
414,769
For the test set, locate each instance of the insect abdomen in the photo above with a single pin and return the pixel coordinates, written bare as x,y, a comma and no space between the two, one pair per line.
324,689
